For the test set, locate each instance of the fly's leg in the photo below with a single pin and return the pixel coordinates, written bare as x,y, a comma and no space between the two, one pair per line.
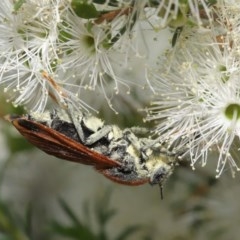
95,137
139,130
143,146
131,137
78,122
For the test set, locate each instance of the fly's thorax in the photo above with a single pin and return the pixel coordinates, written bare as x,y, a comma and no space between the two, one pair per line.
155,169
152,162
155,163
122,150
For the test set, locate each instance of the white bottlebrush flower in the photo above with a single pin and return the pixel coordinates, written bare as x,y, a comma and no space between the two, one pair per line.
29,85
46,36
28,37
176,13
198,99
32,29
49,37
89,60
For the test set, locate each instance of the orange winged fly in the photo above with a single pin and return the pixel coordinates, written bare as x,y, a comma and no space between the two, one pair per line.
119,155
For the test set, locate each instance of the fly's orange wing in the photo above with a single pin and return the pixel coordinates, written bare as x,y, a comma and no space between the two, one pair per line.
59,145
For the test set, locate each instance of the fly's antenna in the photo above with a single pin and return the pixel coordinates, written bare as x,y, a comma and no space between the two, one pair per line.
55,91
68,102
161,190
64,98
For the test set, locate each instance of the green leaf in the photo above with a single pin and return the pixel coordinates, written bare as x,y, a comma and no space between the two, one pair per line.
16,143
127,232
74,232
99,1
113,3
9,226
84,9
211,2
18,4
103,212
70,213
28,219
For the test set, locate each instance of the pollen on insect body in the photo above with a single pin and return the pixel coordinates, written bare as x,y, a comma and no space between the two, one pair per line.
138,159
